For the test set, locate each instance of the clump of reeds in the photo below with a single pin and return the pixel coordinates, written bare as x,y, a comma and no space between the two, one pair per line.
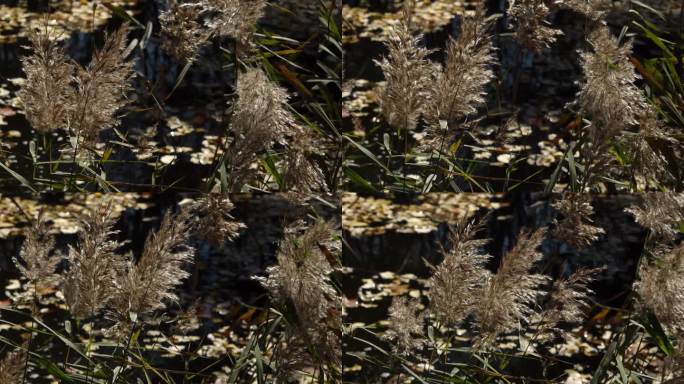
442,96
98,278
462,288
301,285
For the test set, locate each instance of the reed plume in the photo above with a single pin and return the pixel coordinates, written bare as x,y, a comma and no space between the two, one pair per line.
90,282
12,367
459,89
408,74
148,284
186,27
592,9
101,89
575,226
510,294
648,163
182,30
236,19
301,283
608,94
260,118
660,212
661,285
216,224
405,325
38,260
461,276
531,25
303,175
569,298
47,92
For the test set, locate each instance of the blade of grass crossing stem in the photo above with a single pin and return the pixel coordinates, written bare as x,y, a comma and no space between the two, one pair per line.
54,370
617,347
181,76
369,154
259,357
573,171
223,177
17,176
556,172
656,331
410,372
359,180
118,11
269,163
241,360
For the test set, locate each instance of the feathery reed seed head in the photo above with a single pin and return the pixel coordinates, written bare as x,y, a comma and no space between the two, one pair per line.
408,74
301,281
12,367
574,227
458,280
511,293
608,94
216,224
531,26
661,286
303,175
101,89
236,19
149,284
260,118
183,33
90,282
661,212
405,325
593,9
459,89
39,259
47,92
569,298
